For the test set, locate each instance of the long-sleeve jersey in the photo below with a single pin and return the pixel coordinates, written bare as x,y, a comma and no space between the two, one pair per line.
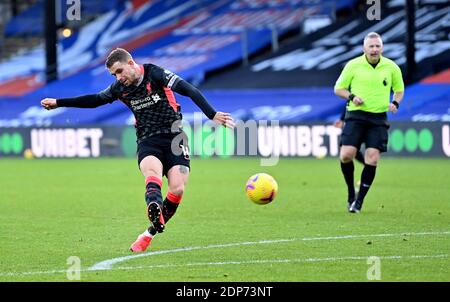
152,102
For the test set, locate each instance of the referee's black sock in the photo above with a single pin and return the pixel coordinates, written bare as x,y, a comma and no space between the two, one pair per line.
348,170
367,177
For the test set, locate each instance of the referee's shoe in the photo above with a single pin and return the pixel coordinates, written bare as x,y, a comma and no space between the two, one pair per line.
350,201
355,207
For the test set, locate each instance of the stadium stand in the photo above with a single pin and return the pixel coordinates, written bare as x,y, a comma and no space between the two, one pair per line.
10,9
210,34
316,59
29,22
429,100
127,25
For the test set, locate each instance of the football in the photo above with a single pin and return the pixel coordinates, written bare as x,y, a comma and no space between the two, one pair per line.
261,188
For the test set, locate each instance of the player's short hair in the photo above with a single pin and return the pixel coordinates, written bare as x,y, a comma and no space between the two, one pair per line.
372,35
118,55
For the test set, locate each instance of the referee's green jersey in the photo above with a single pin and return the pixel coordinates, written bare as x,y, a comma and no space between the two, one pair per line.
372,85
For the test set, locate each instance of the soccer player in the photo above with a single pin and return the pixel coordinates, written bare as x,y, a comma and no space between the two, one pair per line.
366,82
162,149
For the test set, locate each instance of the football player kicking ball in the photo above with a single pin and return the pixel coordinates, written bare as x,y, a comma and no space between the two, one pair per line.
162,147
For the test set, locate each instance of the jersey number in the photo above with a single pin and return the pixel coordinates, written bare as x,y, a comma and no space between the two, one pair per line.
185,150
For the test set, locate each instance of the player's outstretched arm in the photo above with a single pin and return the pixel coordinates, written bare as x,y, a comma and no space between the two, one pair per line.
84,101
49,103
223,118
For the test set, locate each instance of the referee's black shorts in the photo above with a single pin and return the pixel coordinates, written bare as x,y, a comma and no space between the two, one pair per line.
365,127
171,149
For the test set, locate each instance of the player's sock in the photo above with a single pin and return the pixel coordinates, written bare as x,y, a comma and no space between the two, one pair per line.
150,232
348,171
171,204
153,192
360,157
367,177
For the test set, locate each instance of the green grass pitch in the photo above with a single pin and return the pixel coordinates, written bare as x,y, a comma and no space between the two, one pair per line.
94,209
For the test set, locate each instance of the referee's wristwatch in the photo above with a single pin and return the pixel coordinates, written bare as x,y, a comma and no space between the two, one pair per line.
351,97
396,104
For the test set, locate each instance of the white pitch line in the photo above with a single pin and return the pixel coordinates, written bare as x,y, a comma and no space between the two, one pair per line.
269,261
12,274
107,264
266,261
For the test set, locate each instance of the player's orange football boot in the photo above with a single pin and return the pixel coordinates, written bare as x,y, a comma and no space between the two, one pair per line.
141,243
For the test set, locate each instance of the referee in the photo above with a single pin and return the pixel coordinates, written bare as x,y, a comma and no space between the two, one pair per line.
366,82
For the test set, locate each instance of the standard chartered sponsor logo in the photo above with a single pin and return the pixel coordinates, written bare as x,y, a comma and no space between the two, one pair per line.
143,103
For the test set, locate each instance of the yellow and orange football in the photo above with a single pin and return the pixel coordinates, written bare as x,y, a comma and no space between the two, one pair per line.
261,188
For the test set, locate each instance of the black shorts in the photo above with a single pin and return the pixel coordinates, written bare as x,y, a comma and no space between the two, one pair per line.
171,149
368,128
